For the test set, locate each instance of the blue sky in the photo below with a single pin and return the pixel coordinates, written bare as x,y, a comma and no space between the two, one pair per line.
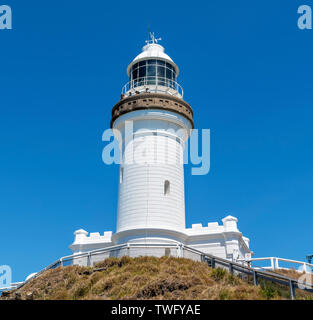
246,70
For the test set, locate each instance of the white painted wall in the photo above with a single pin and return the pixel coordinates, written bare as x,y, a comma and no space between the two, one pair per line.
224,241
157,149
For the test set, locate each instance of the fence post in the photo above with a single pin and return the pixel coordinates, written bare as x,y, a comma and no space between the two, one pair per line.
212,263
276,264
231,270
89,260
180,250
292,290
61,262
255,278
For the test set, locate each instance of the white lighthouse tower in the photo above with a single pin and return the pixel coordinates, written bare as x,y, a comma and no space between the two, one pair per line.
152,123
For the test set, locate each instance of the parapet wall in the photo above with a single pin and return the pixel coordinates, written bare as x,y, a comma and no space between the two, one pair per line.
224,240
229,225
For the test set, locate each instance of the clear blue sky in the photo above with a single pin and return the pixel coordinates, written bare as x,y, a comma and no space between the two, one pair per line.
247,71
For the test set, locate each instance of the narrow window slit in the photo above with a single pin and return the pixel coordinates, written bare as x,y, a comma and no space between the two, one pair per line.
166,187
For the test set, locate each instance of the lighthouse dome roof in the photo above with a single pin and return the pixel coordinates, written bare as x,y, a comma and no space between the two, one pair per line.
153,51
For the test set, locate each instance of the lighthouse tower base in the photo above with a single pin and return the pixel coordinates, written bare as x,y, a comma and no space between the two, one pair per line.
224,241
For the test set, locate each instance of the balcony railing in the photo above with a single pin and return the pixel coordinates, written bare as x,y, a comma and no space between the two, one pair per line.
153,84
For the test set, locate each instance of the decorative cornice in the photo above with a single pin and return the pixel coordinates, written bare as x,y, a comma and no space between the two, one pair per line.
152,101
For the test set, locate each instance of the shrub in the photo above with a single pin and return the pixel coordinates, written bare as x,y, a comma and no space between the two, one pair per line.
232,280
267,291
218,274
225,294
81,289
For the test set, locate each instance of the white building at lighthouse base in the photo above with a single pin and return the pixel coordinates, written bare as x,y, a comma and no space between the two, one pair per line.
224,241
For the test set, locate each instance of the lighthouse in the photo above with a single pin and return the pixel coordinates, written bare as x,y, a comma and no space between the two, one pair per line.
152,123
151,201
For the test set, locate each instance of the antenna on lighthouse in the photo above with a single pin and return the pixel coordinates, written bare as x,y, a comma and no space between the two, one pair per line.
152,39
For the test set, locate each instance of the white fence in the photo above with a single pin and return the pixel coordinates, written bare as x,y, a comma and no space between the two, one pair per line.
275,263
12,286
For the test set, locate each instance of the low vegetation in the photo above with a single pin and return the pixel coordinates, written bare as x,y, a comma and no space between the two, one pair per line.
144,278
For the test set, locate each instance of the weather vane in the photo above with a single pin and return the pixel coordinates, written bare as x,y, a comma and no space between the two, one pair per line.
152,39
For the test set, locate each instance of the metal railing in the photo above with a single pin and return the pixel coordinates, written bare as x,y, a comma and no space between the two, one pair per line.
12,286
153,84
274,263
257,274
181,251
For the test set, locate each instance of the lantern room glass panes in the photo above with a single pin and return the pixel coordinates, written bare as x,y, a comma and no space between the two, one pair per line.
153,72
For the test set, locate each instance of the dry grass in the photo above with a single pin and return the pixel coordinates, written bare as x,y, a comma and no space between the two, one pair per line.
293,273
142,278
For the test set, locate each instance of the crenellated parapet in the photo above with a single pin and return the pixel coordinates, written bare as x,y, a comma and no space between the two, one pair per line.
85,241
229,225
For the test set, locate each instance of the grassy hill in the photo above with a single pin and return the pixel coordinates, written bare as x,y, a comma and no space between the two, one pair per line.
145,278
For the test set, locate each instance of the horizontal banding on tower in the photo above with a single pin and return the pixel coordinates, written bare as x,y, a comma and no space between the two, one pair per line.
152,101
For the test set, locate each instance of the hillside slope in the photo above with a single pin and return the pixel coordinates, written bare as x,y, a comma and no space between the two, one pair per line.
143,278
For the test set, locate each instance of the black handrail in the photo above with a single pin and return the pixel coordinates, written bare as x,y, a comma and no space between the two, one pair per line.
212,261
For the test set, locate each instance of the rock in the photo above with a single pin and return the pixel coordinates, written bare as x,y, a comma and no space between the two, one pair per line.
29,296
6,293
17,296
99,269
87,272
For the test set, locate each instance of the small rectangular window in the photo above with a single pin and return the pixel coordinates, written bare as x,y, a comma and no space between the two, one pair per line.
151,71
166,187
142,72
168,74
142,63
152,61
134,74
161,72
